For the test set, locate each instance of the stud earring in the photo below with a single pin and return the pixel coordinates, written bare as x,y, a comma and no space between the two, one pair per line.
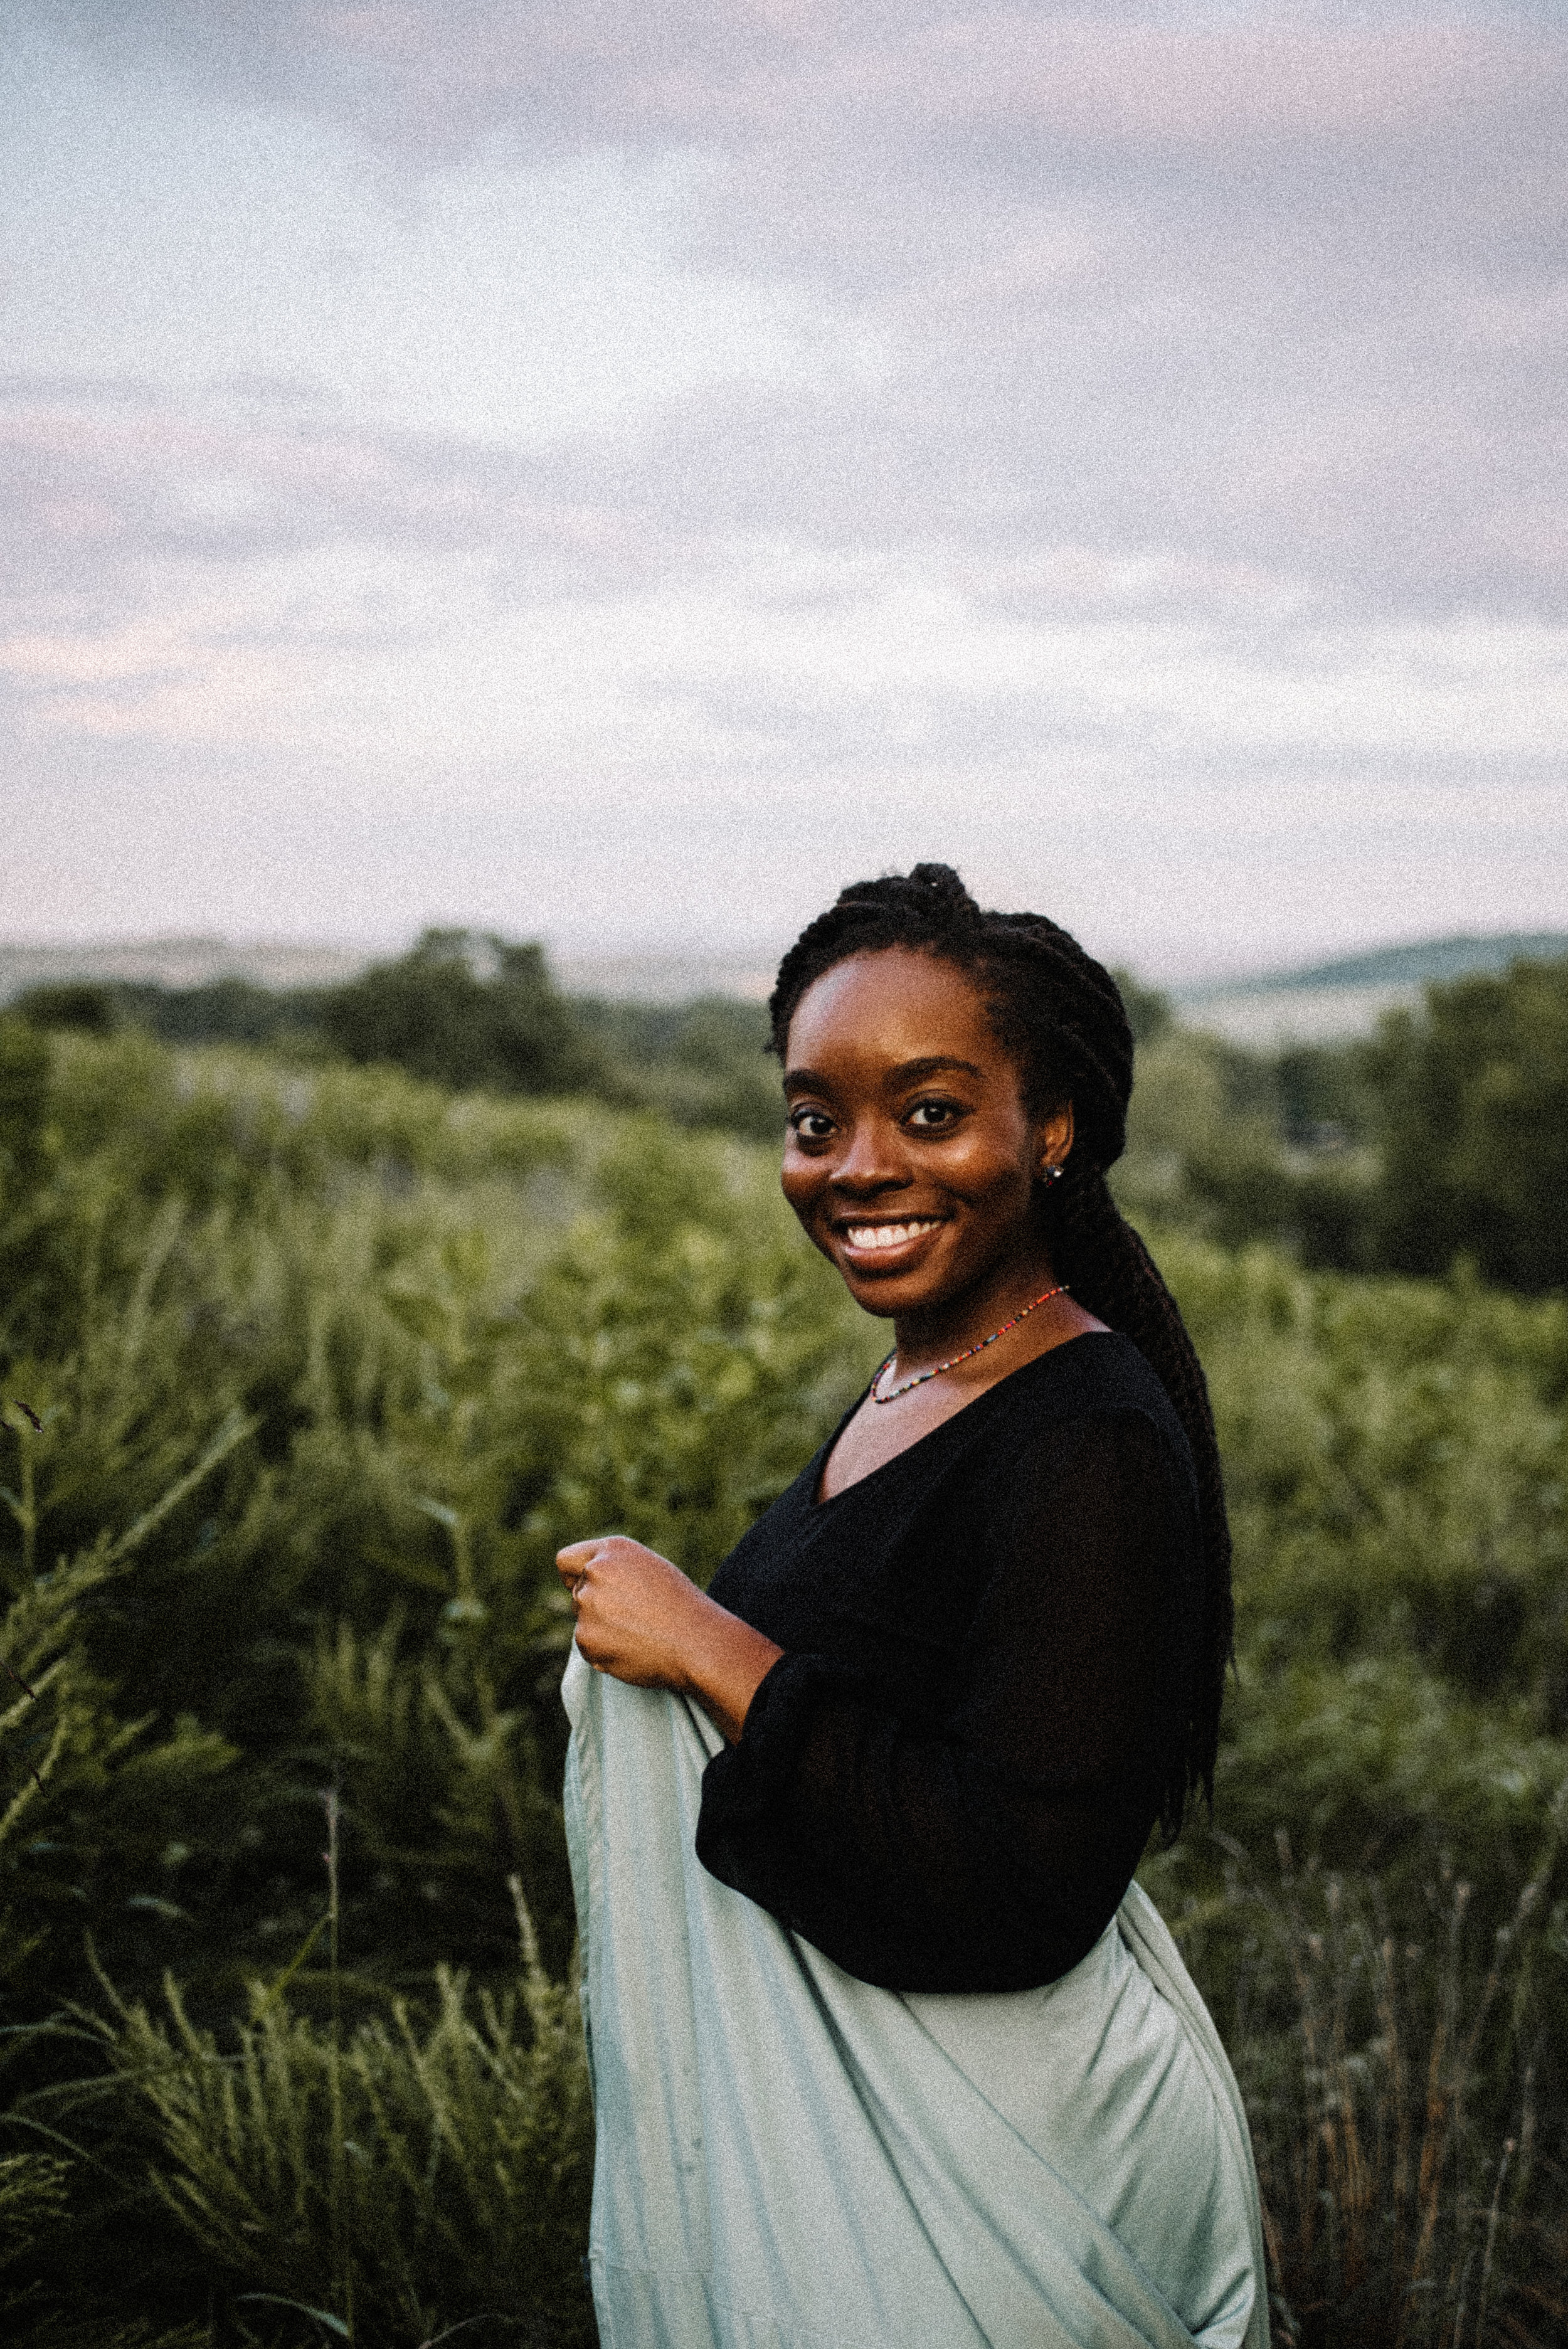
1049,1174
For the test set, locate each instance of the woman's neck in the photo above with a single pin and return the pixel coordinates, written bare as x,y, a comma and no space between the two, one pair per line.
937,1333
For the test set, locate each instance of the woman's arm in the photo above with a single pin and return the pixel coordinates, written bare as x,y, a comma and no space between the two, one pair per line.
986,1849
640,1619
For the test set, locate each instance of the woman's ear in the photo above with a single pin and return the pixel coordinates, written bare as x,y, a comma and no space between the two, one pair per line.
1053,1140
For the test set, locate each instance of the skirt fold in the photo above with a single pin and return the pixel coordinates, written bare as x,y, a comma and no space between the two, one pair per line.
790,2159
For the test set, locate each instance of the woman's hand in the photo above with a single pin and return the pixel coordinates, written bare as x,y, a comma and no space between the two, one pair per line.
640,1619
634,1610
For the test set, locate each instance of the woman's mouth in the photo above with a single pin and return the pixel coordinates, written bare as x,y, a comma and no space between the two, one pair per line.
886,1240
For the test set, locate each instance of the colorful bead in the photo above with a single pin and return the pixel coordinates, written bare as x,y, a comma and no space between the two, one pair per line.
951,1363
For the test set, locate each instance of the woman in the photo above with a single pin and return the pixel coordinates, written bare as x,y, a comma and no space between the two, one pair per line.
887,2049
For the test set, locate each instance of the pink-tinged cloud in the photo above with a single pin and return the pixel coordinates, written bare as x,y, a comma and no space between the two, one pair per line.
1134,84
90,488
1285,296
712,71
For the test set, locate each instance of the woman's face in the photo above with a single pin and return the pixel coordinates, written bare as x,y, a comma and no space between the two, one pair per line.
910,1160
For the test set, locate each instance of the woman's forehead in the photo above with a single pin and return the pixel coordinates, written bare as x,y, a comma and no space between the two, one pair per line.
898,1001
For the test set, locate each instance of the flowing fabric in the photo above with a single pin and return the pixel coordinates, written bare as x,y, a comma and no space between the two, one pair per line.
791,2159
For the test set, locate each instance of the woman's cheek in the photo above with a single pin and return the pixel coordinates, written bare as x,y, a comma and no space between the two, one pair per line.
798,1179
803,1191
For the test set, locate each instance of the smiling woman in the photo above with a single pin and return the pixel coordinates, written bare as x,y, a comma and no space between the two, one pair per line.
917,1173
886,2043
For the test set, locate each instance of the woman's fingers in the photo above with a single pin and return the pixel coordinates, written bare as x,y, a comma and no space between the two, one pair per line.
631,1607
618,1550
640,1619
573,1564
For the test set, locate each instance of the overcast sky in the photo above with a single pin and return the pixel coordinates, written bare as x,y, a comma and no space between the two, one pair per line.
615,474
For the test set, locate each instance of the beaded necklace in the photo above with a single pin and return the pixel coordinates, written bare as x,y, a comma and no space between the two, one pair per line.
954,1359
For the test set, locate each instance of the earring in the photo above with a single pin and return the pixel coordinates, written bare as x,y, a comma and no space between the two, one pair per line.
1049,1174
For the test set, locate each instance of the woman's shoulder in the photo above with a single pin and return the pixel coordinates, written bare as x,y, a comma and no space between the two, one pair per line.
1100,1371
1103,1377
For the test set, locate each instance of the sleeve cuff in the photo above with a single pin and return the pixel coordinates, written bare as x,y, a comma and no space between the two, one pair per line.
742,1785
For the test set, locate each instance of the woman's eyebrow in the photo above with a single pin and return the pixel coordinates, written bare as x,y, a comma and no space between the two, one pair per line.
910,1072
907,1073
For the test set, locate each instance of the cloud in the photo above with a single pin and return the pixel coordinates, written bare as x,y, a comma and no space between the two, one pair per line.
103,486
1284,295
1133,434
435,81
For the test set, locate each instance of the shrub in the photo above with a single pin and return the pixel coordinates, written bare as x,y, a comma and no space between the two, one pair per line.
462,1011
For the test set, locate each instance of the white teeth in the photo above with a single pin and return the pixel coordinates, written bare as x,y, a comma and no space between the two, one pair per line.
885,1236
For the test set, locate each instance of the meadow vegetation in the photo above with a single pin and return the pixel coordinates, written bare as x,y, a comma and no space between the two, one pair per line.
308,1368
1440,1138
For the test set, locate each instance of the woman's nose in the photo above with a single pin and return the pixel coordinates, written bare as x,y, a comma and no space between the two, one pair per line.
872,1157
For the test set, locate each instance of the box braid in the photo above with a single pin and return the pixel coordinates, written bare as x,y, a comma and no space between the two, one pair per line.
1060,1012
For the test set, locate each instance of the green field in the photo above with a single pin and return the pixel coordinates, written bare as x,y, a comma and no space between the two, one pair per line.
326,1361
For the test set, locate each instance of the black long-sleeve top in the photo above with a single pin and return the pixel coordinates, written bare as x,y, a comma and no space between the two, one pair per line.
947,1780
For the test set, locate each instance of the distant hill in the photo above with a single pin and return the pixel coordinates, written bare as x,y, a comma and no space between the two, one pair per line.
175,962
1429,960
199,960
1318,1003
1328,1002
664,978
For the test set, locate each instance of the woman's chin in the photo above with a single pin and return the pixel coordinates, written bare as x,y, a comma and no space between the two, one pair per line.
887,1280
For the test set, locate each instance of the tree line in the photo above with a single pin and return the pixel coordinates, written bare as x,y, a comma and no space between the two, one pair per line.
1442,1139
470,1010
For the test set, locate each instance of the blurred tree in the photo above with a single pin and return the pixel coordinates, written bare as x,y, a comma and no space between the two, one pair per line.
464,1008
705,1062
1149,1012
79,1003
1473,1098
24,1107
1246,1146
1239,1182
220,1011
224,1011
1324,1095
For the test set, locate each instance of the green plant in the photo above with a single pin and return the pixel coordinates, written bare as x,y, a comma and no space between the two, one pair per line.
420,2176
90,1798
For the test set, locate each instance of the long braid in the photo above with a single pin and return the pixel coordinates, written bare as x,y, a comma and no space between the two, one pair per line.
1061,1013
1113,1275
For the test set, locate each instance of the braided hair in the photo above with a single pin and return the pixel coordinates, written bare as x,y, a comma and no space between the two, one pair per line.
1060,1013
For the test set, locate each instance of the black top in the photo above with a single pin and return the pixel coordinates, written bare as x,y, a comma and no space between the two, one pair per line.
947,1780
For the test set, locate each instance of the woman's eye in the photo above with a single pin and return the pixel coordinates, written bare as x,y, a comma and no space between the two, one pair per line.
811,1124
931,1116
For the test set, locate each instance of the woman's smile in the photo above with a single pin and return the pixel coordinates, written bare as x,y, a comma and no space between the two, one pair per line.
892,1245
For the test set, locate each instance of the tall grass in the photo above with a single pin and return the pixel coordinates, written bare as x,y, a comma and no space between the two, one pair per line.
428,2172
1404,2095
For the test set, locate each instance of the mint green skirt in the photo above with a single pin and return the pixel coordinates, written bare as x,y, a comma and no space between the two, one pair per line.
790,2159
